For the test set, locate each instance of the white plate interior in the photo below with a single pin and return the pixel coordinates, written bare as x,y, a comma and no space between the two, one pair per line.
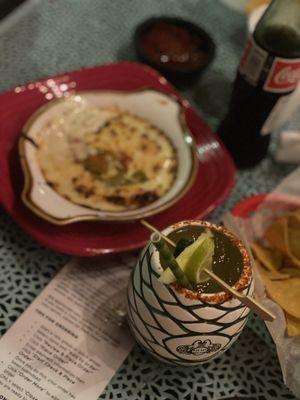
161,110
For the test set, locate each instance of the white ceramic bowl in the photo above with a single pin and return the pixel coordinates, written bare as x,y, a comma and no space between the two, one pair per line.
160,109
184,327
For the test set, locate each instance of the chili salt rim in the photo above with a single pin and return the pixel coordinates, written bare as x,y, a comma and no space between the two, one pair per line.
219,297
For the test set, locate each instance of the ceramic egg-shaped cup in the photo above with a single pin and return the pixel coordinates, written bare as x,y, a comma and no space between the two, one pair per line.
181,326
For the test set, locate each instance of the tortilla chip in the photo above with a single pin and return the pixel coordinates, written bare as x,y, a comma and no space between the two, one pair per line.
278,276
294,241
277,235
270,259
292,272
281,273
272,275
285,239
284,292
292,325
292,261
294,219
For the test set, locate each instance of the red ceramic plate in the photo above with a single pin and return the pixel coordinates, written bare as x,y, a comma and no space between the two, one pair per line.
213,183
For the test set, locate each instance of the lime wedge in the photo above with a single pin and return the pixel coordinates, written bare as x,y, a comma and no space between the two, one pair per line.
188,252
192,260
201,258
167,277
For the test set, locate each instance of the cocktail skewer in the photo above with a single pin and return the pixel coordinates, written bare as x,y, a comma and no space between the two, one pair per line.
250,302
153,229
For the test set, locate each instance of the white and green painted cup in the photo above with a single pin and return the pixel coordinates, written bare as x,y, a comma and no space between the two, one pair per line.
179,326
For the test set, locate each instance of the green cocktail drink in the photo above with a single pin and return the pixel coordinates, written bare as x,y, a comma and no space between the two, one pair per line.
227,259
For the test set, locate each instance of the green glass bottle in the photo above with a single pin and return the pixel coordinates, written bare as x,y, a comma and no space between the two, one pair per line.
269,71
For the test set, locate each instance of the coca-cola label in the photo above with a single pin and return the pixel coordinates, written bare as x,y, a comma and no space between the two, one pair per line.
245,56
252,62
284,75
272,74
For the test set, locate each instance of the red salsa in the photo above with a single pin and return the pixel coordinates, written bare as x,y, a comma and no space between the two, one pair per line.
175,46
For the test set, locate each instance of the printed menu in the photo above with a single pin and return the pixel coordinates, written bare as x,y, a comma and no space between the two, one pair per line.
71,340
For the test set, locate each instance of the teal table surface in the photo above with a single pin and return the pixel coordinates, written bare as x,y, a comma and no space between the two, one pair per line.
46,37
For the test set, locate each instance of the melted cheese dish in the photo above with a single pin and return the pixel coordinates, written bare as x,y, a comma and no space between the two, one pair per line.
106,159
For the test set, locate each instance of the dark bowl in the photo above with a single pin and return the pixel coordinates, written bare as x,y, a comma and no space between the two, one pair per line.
169,33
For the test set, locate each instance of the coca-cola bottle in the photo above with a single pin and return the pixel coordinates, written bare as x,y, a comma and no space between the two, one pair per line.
268,72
